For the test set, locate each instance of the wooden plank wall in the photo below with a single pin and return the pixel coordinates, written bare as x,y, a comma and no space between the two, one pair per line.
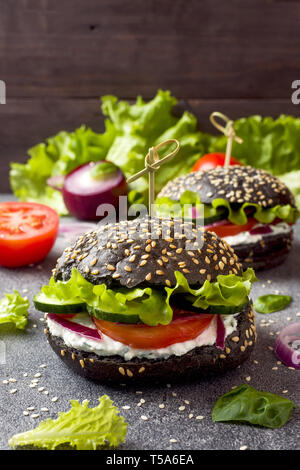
58,56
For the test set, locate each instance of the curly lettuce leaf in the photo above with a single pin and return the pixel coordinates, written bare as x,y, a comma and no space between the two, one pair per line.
14,309
229,290
238,216
150,304
249,405
58,156
81,427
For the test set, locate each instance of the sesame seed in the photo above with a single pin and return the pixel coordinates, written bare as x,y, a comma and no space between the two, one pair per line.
181,408
30,408
243,447
95,272
54,399
35,415
161,405
148,277
199,417
248,378
284,391
5,382
44,409
144,418
173,441
13,390
25,413
126,407
128,269
191,415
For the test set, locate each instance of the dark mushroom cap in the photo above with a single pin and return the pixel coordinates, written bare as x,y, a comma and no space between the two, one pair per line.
147,252
236,184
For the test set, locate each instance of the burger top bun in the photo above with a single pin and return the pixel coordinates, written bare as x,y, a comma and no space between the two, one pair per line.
146,252
236,184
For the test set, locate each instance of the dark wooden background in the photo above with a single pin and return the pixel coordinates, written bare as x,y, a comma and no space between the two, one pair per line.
58,56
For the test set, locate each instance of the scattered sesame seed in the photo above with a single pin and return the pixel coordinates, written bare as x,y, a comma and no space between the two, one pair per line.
30,408
173,441
248,378
12,380
161,405
243,447
41,389
200,417
144,418
5,382
25,413
191,415
126,407
44,409
38,374
25,374
54,399
35,415
42,366
181,408
13,390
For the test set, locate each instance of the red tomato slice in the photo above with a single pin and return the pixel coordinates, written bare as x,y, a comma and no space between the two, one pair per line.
212,160
153,337
227,229
27,232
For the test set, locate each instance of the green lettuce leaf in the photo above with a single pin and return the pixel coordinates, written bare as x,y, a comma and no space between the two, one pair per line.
81,427
238,216
150,304
249,405
14,309
58,156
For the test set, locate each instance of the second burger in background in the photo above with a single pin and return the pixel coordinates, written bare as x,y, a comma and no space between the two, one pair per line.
248,207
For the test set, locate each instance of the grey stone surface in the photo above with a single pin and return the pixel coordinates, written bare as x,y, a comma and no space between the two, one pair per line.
26,351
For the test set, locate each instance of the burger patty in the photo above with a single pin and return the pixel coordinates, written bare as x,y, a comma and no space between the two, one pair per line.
267,253
199,361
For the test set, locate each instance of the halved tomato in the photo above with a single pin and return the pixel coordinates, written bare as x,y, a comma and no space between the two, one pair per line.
153,337
227,229
212,160
27,232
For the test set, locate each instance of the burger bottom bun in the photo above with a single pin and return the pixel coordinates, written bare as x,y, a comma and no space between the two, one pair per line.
200,361
267,253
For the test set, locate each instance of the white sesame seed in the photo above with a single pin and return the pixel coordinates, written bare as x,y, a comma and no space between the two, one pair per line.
126,407
41,389
144,418
161,405
284,391
288,318
54,399
174,394
191,415
34,415
25,374
173,441
24,291
34,326
32,385
243,447
186,402
43,366
30,408
168,385
298,314
248,378
139,404
12,380
46,392
44,409
199,417
139,393
274,368
13,390
25,413
5,382
38,374
142,400
181,408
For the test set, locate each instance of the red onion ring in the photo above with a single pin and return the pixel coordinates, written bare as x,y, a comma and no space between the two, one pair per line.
221,333
81,330
285,344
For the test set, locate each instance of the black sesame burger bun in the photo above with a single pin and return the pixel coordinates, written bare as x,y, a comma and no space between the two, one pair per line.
198,362
236,184
147,252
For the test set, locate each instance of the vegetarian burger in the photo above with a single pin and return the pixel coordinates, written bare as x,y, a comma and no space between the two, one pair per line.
249,208
141,300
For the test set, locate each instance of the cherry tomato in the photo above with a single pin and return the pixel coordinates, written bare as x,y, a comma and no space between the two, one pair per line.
27,232
212,160
153,337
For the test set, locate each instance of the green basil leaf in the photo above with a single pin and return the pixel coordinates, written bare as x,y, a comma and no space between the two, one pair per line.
270,303
249,405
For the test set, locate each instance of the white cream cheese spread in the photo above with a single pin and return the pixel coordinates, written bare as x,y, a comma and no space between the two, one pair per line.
109,347
246,237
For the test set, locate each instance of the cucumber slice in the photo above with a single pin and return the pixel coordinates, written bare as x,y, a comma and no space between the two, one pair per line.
42,303
113,317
